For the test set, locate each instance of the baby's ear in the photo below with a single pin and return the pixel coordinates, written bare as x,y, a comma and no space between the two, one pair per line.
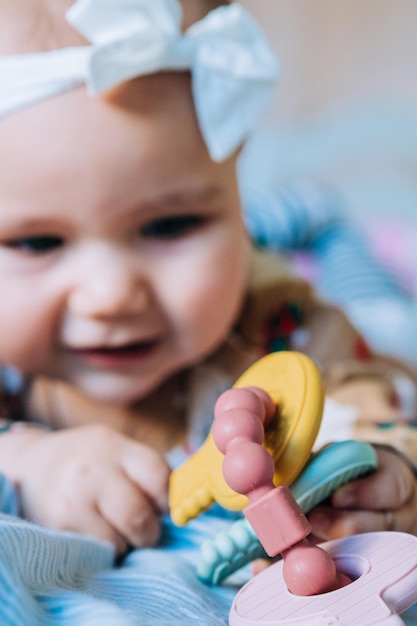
195,10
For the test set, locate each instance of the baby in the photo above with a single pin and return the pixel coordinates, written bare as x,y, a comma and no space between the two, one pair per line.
131,294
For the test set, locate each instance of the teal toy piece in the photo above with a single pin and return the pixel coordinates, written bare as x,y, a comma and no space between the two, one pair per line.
326,471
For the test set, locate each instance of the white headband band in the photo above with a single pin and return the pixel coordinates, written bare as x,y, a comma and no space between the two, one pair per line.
233,69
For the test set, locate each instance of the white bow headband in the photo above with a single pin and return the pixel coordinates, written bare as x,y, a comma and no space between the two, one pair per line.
233,69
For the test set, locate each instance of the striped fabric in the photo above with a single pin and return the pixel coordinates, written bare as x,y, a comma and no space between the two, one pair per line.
50,578
311,218
289,217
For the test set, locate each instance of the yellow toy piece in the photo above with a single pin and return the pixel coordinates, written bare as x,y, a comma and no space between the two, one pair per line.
294,383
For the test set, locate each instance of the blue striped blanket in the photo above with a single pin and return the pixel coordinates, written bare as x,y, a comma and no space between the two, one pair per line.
52,578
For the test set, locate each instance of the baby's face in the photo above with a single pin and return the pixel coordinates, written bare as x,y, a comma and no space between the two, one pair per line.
123,255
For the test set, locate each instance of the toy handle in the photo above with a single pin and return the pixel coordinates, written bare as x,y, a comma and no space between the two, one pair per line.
277,519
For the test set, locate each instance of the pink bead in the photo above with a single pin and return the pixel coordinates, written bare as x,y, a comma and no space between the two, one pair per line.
237,424
309,570
247,466
242,398
267,401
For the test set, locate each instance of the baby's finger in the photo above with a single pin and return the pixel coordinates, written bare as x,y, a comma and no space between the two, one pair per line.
329,523
91,523
390,487
259,565
149,471
128,510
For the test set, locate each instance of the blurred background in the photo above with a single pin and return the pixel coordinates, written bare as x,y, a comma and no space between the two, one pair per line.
345,109
345,114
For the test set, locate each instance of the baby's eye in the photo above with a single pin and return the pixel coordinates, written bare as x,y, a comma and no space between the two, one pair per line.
171,227
39,244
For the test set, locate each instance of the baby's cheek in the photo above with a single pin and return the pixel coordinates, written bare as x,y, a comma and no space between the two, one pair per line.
25,339
206,321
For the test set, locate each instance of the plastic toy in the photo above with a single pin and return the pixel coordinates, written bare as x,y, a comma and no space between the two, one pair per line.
263,431
383,569
325,471
241,416
293,383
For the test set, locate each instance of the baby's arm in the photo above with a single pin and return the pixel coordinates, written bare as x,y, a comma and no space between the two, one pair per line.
369,384
89,479
386,500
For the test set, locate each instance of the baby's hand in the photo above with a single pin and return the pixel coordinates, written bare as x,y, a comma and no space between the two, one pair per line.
385,500
95,481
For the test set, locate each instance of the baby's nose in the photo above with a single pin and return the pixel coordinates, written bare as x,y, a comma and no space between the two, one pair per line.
106,289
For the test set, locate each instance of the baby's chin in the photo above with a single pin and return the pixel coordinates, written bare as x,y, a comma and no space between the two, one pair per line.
120,393
116,396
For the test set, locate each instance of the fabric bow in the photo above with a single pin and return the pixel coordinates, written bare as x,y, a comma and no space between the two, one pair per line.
232,67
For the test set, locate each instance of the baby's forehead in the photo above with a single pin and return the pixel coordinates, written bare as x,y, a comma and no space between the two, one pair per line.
35,26
194,10
38,25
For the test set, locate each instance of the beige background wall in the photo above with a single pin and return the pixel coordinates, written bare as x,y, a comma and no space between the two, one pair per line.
338,51
345,109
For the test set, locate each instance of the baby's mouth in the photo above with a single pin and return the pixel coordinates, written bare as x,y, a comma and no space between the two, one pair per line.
128,352
127,349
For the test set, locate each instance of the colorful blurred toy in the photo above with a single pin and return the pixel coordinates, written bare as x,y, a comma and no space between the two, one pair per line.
261,440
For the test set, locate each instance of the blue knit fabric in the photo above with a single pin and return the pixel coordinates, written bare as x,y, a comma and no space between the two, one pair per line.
52,578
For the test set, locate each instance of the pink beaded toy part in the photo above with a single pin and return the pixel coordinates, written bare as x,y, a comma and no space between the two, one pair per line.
294,383
241,416
275,409
364,580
